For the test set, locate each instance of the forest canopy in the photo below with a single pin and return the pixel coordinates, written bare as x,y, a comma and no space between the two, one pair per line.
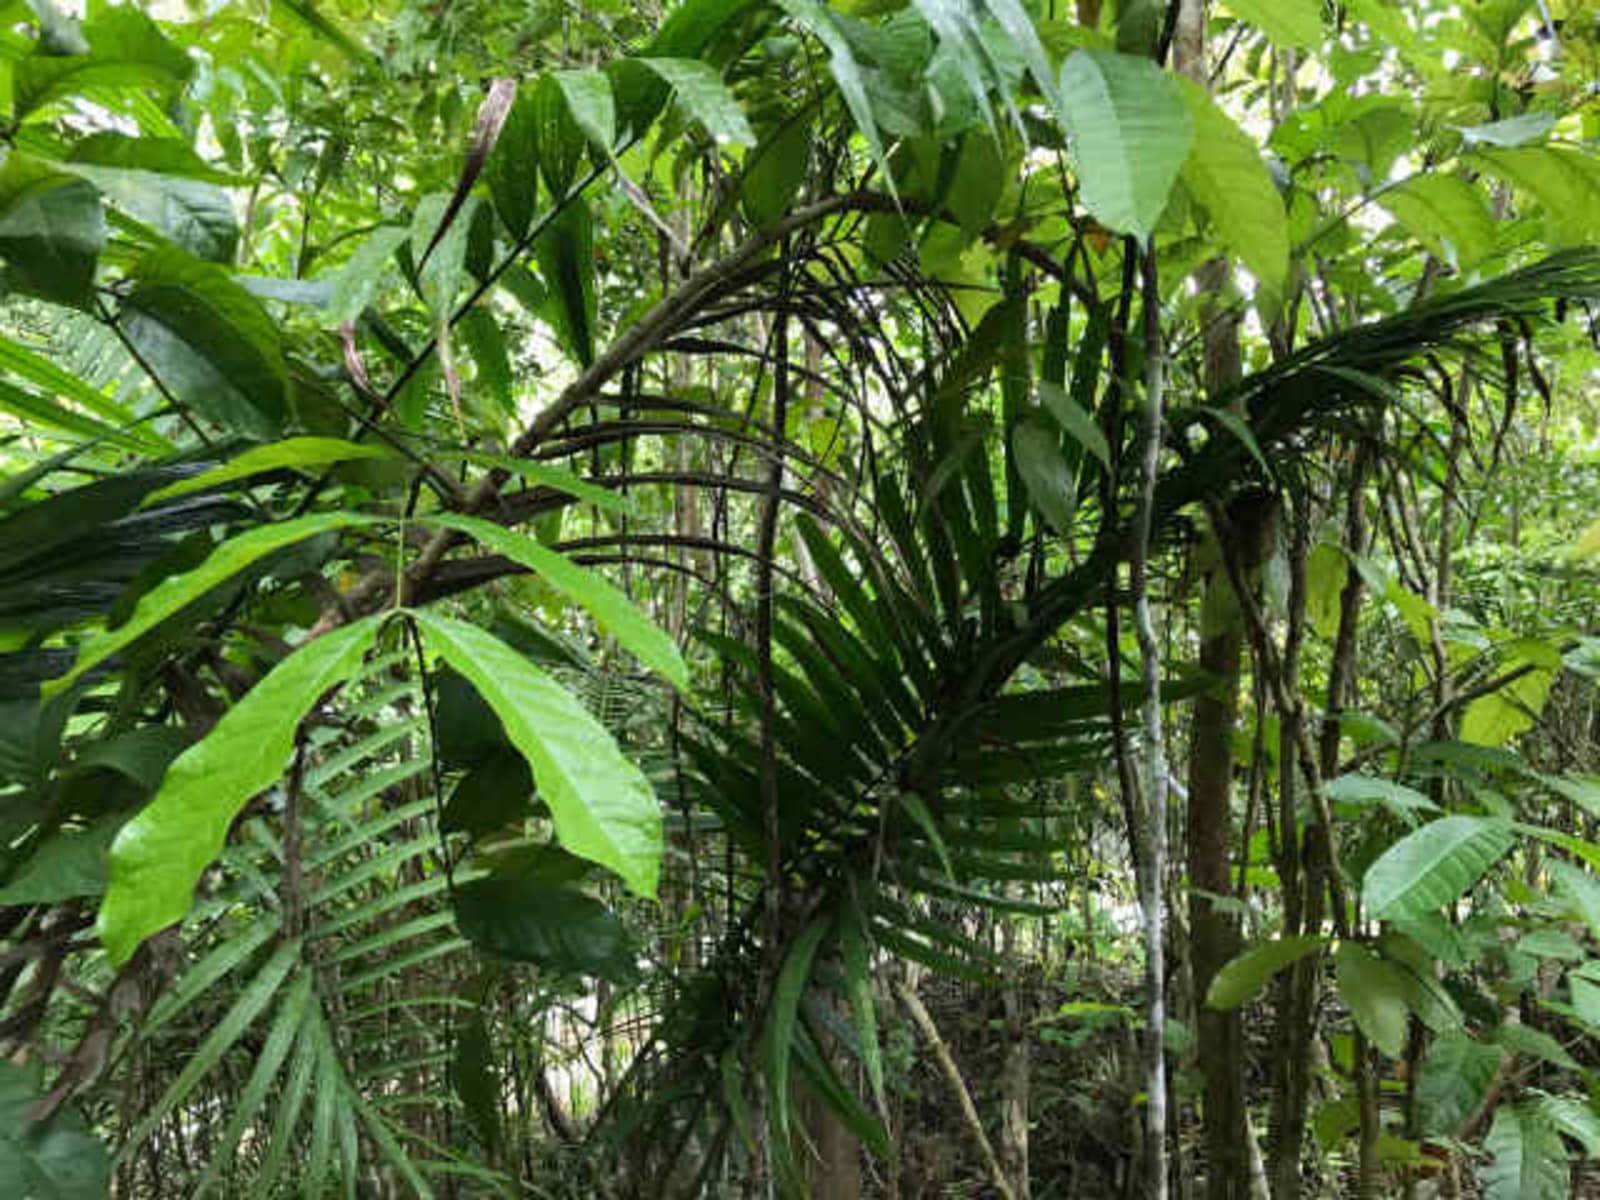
822,598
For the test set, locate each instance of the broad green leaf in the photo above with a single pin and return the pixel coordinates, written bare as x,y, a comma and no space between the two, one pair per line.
977,185
209,342
1562,181
1447,214
512,171
127,52
555,926
161,853
614,612
1580,848
1513,131
604,808
1582,790
560,142
1228,179
1535,1044
1495,719
1588,543
1293,23
291,452
1575,1117
142,754
1327,571
1131,132
1075,420
848,77
1424,994
161,156
775,171
589,100
481,333
1052,487
1375,992
194,215
439,278
308,293
307,13
565,251
1528,1161
702,94
1415,610
177,591
492,794
1585,994
1241,980
1434,866
1550,943
1403,801
56,1159
52,230
1388,24
1366,729
1455,1075
355,283
476,1079
1581,889
69,864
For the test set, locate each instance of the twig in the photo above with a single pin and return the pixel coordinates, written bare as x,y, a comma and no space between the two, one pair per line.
952,1075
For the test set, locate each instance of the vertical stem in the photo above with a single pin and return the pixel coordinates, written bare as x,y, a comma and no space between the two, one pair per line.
766,543
1155,762
293,873
1368,1173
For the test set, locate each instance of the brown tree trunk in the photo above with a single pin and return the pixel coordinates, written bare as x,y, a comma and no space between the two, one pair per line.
834,1171
1213,930
1015,1082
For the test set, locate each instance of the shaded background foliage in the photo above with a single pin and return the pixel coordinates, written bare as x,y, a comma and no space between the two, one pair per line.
608,601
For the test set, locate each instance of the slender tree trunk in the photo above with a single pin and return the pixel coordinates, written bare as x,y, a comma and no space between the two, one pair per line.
834,1169
1015,1082
1299,866
1213,930
1152,746
1214,938
766,544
